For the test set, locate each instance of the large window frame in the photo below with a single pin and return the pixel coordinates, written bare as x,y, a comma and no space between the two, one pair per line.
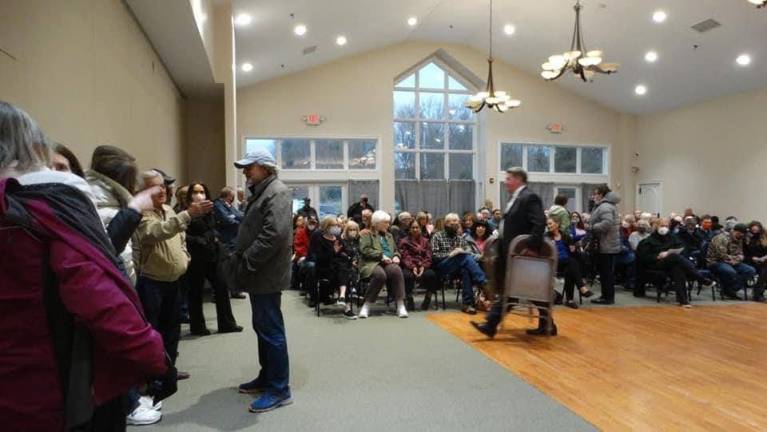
279,140
587,177
418,121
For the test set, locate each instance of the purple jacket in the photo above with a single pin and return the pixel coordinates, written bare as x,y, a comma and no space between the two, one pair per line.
125,349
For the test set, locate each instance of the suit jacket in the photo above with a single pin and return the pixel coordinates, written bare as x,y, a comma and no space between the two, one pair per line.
524,217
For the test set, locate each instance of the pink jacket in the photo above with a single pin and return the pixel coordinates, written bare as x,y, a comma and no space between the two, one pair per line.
125,349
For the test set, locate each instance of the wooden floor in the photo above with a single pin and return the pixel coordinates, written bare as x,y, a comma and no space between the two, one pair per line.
644,368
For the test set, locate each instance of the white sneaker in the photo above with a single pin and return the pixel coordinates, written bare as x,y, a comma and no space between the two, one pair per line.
143,416
401,311
340,302
364,311
148,402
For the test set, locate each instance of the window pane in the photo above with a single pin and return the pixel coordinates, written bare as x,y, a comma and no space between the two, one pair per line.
538,158
330,201
456,109
453,84
404,166
511,156
404,104
461,137
298,194
404,135
461,166
565,159
269,145
296,154
329,153
432,135
362,154
408,81
432,166
432,105
592,159
431,76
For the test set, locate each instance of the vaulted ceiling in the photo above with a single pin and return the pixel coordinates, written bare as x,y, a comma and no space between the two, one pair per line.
691,66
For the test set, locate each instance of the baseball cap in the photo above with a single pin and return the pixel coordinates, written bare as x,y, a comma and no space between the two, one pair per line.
260,156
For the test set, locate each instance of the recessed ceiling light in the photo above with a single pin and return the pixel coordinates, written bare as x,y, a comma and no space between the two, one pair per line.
412,21
659,16
341,40
509,29
243,20
246,67
299,30
651,56
640,90
743,60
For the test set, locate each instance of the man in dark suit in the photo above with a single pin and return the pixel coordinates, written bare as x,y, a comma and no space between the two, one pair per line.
524,215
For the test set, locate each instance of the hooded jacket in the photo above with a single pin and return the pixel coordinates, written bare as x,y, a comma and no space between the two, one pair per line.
606,224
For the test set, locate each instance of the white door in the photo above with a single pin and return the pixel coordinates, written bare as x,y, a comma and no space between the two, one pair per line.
650,197
327,199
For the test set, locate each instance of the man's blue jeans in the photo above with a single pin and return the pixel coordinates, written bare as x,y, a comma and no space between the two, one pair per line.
733,277
469,270
272,342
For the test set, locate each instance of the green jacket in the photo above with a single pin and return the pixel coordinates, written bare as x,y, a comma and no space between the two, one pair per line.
649,248
371,252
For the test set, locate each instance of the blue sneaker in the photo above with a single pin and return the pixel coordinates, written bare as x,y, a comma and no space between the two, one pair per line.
252,387
269,401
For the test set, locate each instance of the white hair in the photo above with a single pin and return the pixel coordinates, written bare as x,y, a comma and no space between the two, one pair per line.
149,175
23,146
452,216
402,216
380,216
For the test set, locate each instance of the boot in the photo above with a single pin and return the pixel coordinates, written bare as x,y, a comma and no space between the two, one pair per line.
541,330
426,301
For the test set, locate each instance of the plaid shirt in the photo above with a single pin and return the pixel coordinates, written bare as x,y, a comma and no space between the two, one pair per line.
442,244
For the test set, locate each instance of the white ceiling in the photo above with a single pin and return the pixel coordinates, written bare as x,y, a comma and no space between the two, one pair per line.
622,28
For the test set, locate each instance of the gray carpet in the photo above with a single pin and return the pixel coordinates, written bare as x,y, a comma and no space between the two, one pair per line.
380,374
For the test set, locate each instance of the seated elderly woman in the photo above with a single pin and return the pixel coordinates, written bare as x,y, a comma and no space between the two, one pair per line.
379,262
661,251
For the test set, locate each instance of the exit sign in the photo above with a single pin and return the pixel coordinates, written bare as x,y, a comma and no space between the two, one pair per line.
313,119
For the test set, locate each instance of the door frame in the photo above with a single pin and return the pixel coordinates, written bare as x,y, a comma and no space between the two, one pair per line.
660,194
314,191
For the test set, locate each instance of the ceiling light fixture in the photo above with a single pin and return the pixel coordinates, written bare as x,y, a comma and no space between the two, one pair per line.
651,57
246,67
659,16
243,20
496,100
743,60
509,29
640,90
299,30
412,21
582,62
341,40
758,3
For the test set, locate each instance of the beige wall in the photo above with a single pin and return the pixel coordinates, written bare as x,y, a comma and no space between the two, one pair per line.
86,73
354,94
204,143
708,156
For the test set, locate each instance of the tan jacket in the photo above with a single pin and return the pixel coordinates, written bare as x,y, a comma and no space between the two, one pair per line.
159,245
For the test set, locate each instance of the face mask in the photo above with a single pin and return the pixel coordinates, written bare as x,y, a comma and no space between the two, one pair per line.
576,220
335,231
351,234
663,231
450,229
198,197
312,227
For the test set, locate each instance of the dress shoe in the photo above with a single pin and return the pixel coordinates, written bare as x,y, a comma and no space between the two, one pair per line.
484,329
588,293
233,329
541,331
571,304
603,301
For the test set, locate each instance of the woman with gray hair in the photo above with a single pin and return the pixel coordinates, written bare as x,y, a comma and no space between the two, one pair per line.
380,263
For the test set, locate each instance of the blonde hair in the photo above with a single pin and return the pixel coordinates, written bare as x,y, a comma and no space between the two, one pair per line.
326,222
349,226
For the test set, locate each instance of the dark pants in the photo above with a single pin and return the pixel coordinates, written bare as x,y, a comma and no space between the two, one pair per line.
313,275
428,281
299,274
626,262
470,271
733,277
272,342
681,269
573,274
196,274
107,417
162,308
606,264
759,288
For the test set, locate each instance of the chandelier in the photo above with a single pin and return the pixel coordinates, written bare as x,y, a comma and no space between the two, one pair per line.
758,3
496,100
580,61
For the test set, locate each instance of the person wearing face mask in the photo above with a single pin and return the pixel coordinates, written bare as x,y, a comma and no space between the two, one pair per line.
355,210
322,252
643,231
756,256
346,263
725,259
452,255
692,238
205,247
661,252
416,265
